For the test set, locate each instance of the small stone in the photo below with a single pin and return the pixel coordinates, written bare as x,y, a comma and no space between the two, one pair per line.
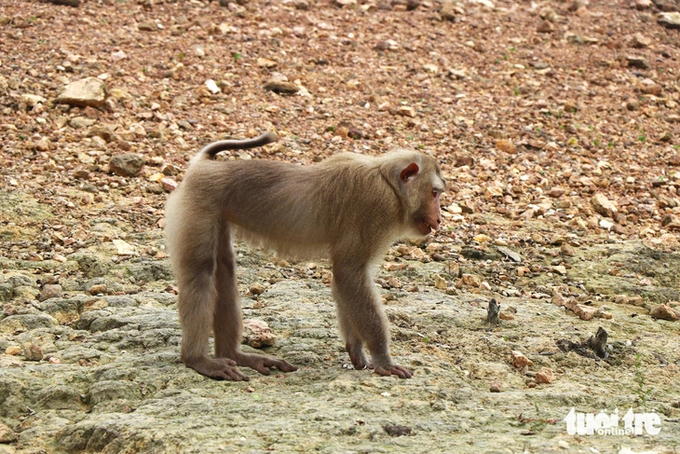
257,289
506,146
519,360
406,111
568,250
148,26
638,62
388,44
13,350
440,282
90,91
640,41
560,269
669,20
397,431
665,312
632,300
666,137
545,27
431,68
482,238
471,280
7,435
169,170
169,184
505,315
126,165
574,38
266,63
81,122
556,193
32,100
582,311
118,55
464,160
649,87
211,85
450,11
282,87
674,160
257,334
97,289
81,174
603,206
50,291
101,131
606,224
548,14
509,253
495,387
545,375
570,106
33,352
123,248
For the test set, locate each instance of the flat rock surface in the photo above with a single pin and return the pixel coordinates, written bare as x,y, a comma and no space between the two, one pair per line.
533,109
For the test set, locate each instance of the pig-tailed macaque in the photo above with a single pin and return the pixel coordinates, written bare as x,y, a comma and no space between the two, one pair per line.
350,208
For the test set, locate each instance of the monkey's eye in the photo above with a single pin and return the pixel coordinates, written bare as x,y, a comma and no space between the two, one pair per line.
435,193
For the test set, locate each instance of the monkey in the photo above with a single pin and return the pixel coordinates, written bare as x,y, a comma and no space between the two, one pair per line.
348,207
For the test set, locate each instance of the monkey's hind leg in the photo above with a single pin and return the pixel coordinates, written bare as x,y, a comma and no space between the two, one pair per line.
195,264
227,323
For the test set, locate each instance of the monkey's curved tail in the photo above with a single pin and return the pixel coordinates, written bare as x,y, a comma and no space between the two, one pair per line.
210,150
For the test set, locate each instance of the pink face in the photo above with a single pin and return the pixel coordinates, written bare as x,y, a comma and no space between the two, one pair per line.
432,218
428,216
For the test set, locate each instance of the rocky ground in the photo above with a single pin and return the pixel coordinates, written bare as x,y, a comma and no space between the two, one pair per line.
557,125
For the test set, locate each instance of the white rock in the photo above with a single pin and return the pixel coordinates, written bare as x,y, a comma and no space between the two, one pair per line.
32,100
123,248
212,86
605,224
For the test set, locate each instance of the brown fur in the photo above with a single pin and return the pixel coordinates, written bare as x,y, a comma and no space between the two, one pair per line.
348,207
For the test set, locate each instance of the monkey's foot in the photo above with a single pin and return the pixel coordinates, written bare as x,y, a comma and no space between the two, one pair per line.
394,370
262,364
218,368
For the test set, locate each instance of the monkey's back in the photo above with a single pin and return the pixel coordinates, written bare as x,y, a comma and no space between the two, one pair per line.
297,210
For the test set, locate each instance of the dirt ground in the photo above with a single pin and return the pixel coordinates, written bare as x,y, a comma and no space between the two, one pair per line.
556,124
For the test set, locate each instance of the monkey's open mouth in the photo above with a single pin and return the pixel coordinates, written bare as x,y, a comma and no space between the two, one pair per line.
423,226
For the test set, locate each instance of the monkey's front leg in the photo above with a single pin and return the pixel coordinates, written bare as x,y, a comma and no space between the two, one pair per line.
362,319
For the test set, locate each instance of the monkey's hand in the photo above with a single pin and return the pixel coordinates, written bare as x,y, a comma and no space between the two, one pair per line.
394,370
262,364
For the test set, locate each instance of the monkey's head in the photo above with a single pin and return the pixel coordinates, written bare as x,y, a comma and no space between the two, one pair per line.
418,182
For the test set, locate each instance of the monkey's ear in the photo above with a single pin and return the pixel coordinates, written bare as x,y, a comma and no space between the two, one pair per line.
409,172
